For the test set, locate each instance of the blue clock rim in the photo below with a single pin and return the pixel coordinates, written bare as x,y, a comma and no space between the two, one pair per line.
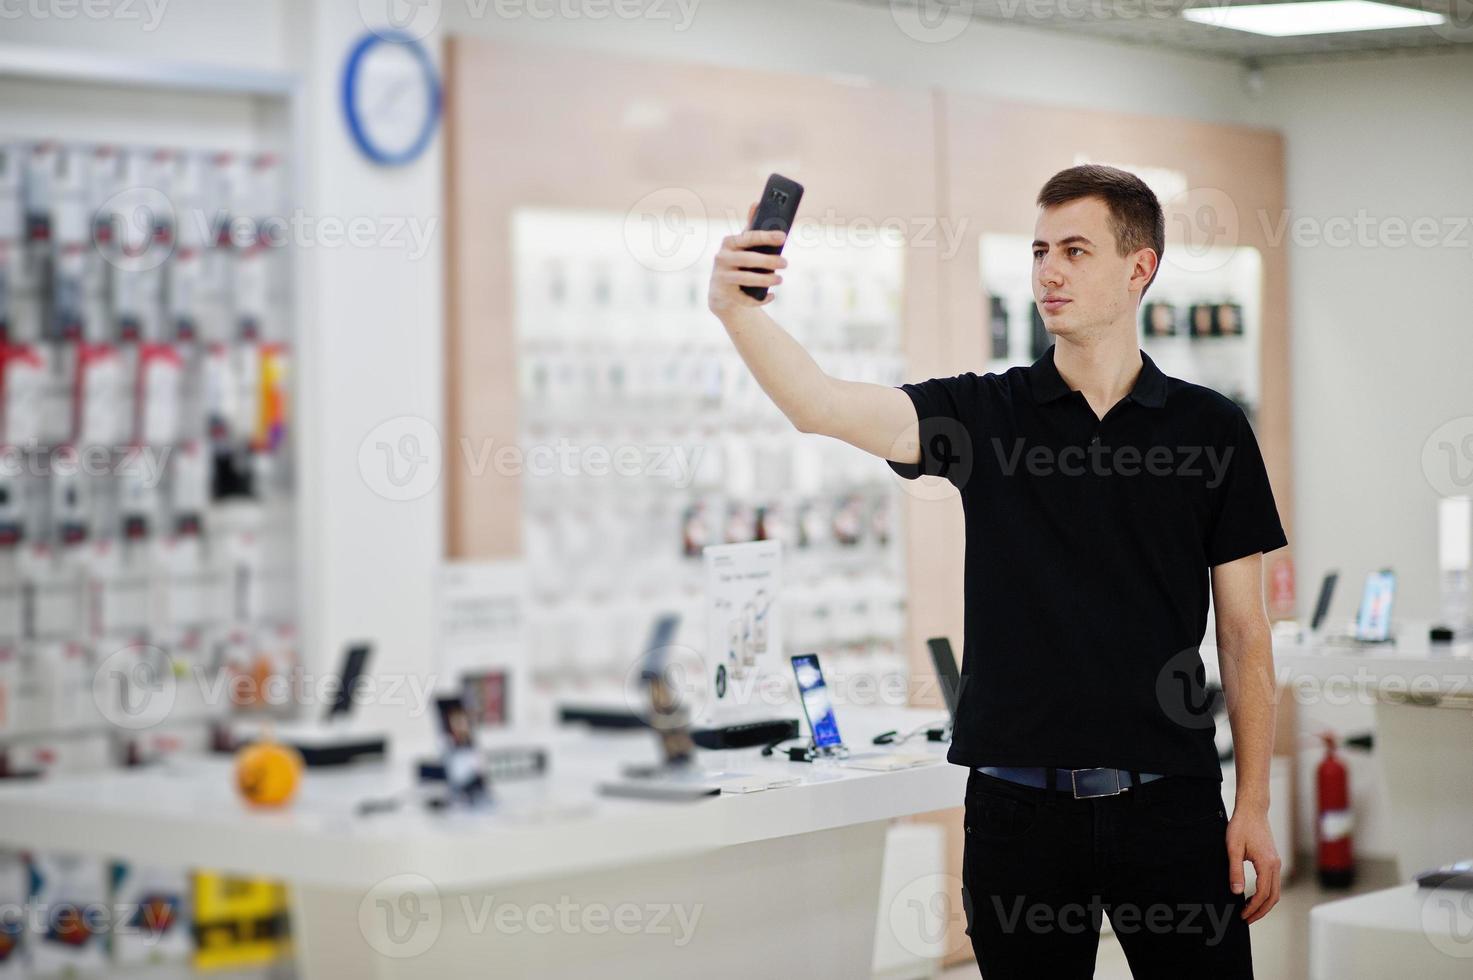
350,111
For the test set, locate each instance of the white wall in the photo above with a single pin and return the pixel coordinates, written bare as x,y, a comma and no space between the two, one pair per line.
1382,342
372,324
1382,334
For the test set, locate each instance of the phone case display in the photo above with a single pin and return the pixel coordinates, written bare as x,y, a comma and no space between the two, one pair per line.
238,922
1198,320
68,930
146,485
644,438
152,909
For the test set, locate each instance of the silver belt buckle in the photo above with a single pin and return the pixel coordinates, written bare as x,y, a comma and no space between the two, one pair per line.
1074,782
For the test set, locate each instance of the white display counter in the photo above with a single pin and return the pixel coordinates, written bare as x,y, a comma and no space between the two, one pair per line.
554,881
1404,931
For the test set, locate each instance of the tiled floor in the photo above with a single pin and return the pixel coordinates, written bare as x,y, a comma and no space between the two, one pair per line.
1280,939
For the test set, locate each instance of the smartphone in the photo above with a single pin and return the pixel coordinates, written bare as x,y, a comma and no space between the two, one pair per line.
1373,622
354,663
1322,604
817,707
775,212
462,762
946,672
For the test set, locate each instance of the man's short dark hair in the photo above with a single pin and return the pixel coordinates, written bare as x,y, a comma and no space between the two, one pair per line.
1135,213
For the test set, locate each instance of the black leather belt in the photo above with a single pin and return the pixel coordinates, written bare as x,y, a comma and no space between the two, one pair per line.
1082,783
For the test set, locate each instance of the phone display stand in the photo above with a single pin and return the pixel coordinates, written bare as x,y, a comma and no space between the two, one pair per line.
819,753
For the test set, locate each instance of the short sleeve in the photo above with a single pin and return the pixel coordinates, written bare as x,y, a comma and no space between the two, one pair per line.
946,410
1245,518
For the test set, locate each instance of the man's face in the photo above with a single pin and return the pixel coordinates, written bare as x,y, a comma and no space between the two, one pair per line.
1082,286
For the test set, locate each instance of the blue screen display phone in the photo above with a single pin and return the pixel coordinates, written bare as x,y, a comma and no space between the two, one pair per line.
1373,622
817,707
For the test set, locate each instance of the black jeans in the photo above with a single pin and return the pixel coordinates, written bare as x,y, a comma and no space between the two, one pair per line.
1039,872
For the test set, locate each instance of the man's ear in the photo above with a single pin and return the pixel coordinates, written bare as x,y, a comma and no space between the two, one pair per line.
1144,263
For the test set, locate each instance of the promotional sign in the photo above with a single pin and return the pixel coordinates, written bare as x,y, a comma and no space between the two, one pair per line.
744,647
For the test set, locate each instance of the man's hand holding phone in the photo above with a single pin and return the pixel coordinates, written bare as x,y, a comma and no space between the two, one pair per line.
737,265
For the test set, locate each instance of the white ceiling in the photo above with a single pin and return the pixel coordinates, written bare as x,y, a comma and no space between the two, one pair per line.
1158,23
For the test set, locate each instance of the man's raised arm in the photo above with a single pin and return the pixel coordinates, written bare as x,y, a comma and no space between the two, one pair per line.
876,418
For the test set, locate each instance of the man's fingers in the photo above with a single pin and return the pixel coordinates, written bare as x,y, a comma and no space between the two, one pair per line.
747,239
731,259
1235,866
1265,897
1260,894
740,278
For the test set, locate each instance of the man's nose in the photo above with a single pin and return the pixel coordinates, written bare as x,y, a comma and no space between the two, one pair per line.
1048,272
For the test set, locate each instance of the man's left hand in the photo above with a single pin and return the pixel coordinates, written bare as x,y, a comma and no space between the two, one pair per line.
1249,838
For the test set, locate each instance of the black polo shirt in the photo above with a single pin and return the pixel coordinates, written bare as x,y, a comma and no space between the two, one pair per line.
1088,545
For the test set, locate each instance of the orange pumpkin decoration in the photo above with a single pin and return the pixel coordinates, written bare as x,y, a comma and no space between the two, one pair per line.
267,773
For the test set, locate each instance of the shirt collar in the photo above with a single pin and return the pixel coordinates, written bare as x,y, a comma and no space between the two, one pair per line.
1048,384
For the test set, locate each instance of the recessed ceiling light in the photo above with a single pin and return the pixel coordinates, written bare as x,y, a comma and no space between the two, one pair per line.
1311,17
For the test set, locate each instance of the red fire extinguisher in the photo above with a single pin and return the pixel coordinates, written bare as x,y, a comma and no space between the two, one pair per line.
1333,827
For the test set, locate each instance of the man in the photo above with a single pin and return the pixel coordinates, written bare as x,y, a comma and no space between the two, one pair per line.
1100,496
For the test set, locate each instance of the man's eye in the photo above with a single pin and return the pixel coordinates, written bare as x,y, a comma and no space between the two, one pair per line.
1076,248
1037,254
